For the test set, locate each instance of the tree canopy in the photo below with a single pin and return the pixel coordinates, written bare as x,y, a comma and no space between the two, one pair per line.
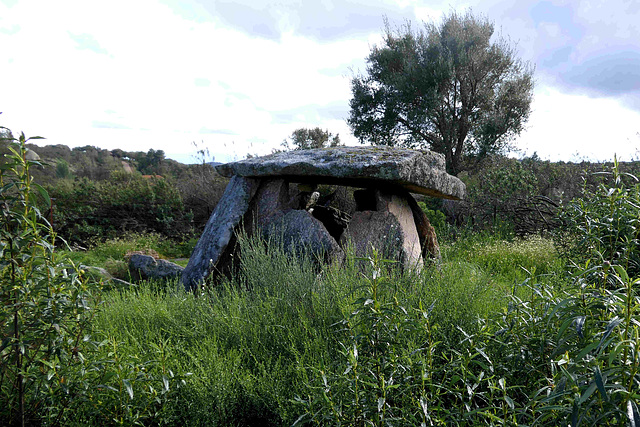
447,87
306,139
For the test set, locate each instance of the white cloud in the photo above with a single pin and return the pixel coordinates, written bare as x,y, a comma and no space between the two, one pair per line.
143,74
572,127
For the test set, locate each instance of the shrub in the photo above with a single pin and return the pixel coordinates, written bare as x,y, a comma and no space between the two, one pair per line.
603,226
51,371
575,351
580,344
436,218
46,307
86,210
397,367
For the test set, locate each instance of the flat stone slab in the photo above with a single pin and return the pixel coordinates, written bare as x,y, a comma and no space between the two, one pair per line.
418,171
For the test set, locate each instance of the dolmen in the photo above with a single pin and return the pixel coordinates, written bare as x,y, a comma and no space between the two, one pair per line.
277,195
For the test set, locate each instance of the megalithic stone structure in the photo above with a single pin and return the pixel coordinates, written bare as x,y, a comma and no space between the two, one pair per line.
262,197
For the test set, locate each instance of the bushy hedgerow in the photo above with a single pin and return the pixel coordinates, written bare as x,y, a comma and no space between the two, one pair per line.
86,210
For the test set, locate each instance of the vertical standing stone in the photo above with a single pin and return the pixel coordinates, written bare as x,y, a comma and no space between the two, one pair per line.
219,234
426,232
398,205
390,228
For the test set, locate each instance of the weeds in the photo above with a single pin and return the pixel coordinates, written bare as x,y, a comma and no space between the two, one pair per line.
52,371
499,334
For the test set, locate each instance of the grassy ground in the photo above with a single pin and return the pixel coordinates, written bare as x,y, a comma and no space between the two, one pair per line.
253,345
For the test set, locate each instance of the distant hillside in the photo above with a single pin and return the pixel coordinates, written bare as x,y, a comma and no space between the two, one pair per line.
98,164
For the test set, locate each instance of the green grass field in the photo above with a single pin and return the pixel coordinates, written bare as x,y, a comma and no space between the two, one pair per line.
251,349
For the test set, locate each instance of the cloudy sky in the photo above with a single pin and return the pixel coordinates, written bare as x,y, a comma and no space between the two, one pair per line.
238,76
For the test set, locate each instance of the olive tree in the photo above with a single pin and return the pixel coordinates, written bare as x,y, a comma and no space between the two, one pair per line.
305,139
450,87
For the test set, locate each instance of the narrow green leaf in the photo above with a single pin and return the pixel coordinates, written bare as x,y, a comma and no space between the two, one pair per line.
509,402
586,350
610,327
622,273
588,392
43,193
600,383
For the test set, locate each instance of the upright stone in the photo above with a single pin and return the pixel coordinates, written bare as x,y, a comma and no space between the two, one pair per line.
389,228
426,232
272,198
276,213
299,233
218,237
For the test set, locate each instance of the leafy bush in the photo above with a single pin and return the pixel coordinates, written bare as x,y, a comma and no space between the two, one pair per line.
398,367
86,211
46,307
436,218
51,371
579,344
497,189
603,226
575,352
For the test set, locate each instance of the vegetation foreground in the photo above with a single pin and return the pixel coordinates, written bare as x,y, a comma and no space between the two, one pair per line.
502,332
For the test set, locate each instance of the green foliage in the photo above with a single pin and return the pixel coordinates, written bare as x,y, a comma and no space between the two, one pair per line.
200,187
508,260
62,169
86,211
603,226
243,347
257,341
306,139
51,371
45,305
436,218
151,163
111,254
498,190
449,88
579,346
402,366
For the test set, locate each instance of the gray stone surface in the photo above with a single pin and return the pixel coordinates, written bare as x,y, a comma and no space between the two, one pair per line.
399,206
219,231
373,229
272,198
390,229
300,232
147,267
420,172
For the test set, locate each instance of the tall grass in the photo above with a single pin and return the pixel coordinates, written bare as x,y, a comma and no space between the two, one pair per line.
497,334
255,342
